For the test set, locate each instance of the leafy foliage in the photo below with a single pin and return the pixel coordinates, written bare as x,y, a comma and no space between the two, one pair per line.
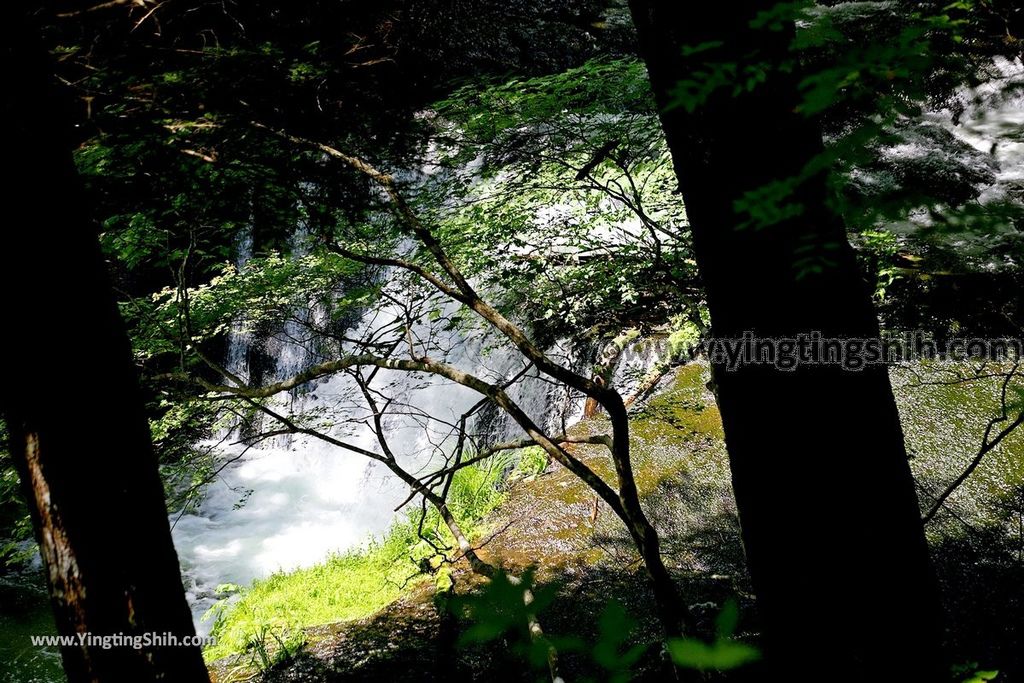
723,653
869,70
530,462
266,291
16,545
971,673
498,611
559,192
269,649
614,652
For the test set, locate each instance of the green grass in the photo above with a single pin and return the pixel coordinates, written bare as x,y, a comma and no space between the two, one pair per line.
532,462
356,583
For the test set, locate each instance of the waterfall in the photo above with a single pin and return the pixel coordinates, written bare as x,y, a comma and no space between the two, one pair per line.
237,361
991,123
290,501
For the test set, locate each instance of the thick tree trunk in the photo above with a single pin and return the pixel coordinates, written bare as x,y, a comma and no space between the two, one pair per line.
72,404
830,520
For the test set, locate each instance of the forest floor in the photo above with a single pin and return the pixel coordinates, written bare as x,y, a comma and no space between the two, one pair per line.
550,523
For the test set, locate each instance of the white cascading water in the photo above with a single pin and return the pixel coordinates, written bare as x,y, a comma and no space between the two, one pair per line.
986,121
289,502
991,122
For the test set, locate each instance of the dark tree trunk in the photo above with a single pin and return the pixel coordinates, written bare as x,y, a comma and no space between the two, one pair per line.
72,404
830,519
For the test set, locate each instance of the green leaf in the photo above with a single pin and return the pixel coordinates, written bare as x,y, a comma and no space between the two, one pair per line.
689,50
727,619
722,655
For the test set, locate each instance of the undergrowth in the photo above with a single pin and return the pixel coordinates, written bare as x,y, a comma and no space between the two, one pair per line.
359,582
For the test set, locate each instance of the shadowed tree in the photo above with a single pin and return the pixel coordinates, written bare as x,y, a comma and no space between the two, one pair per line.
830,520
78,434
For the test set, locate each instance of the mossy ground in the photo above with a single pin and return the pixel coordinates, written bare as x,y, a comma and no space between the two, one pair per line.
25,612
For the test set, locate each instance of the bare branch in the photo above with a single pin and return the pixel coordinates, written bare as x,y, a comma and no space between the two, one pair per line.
988,444
465,293
110,4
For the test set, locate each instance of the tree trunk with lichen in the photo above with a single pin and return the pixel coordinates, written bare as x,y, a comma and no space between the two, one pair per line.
78,435
829,515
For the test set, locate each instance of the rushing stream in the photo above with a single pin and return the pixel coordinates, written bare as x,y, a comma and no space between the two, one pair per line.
993,123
